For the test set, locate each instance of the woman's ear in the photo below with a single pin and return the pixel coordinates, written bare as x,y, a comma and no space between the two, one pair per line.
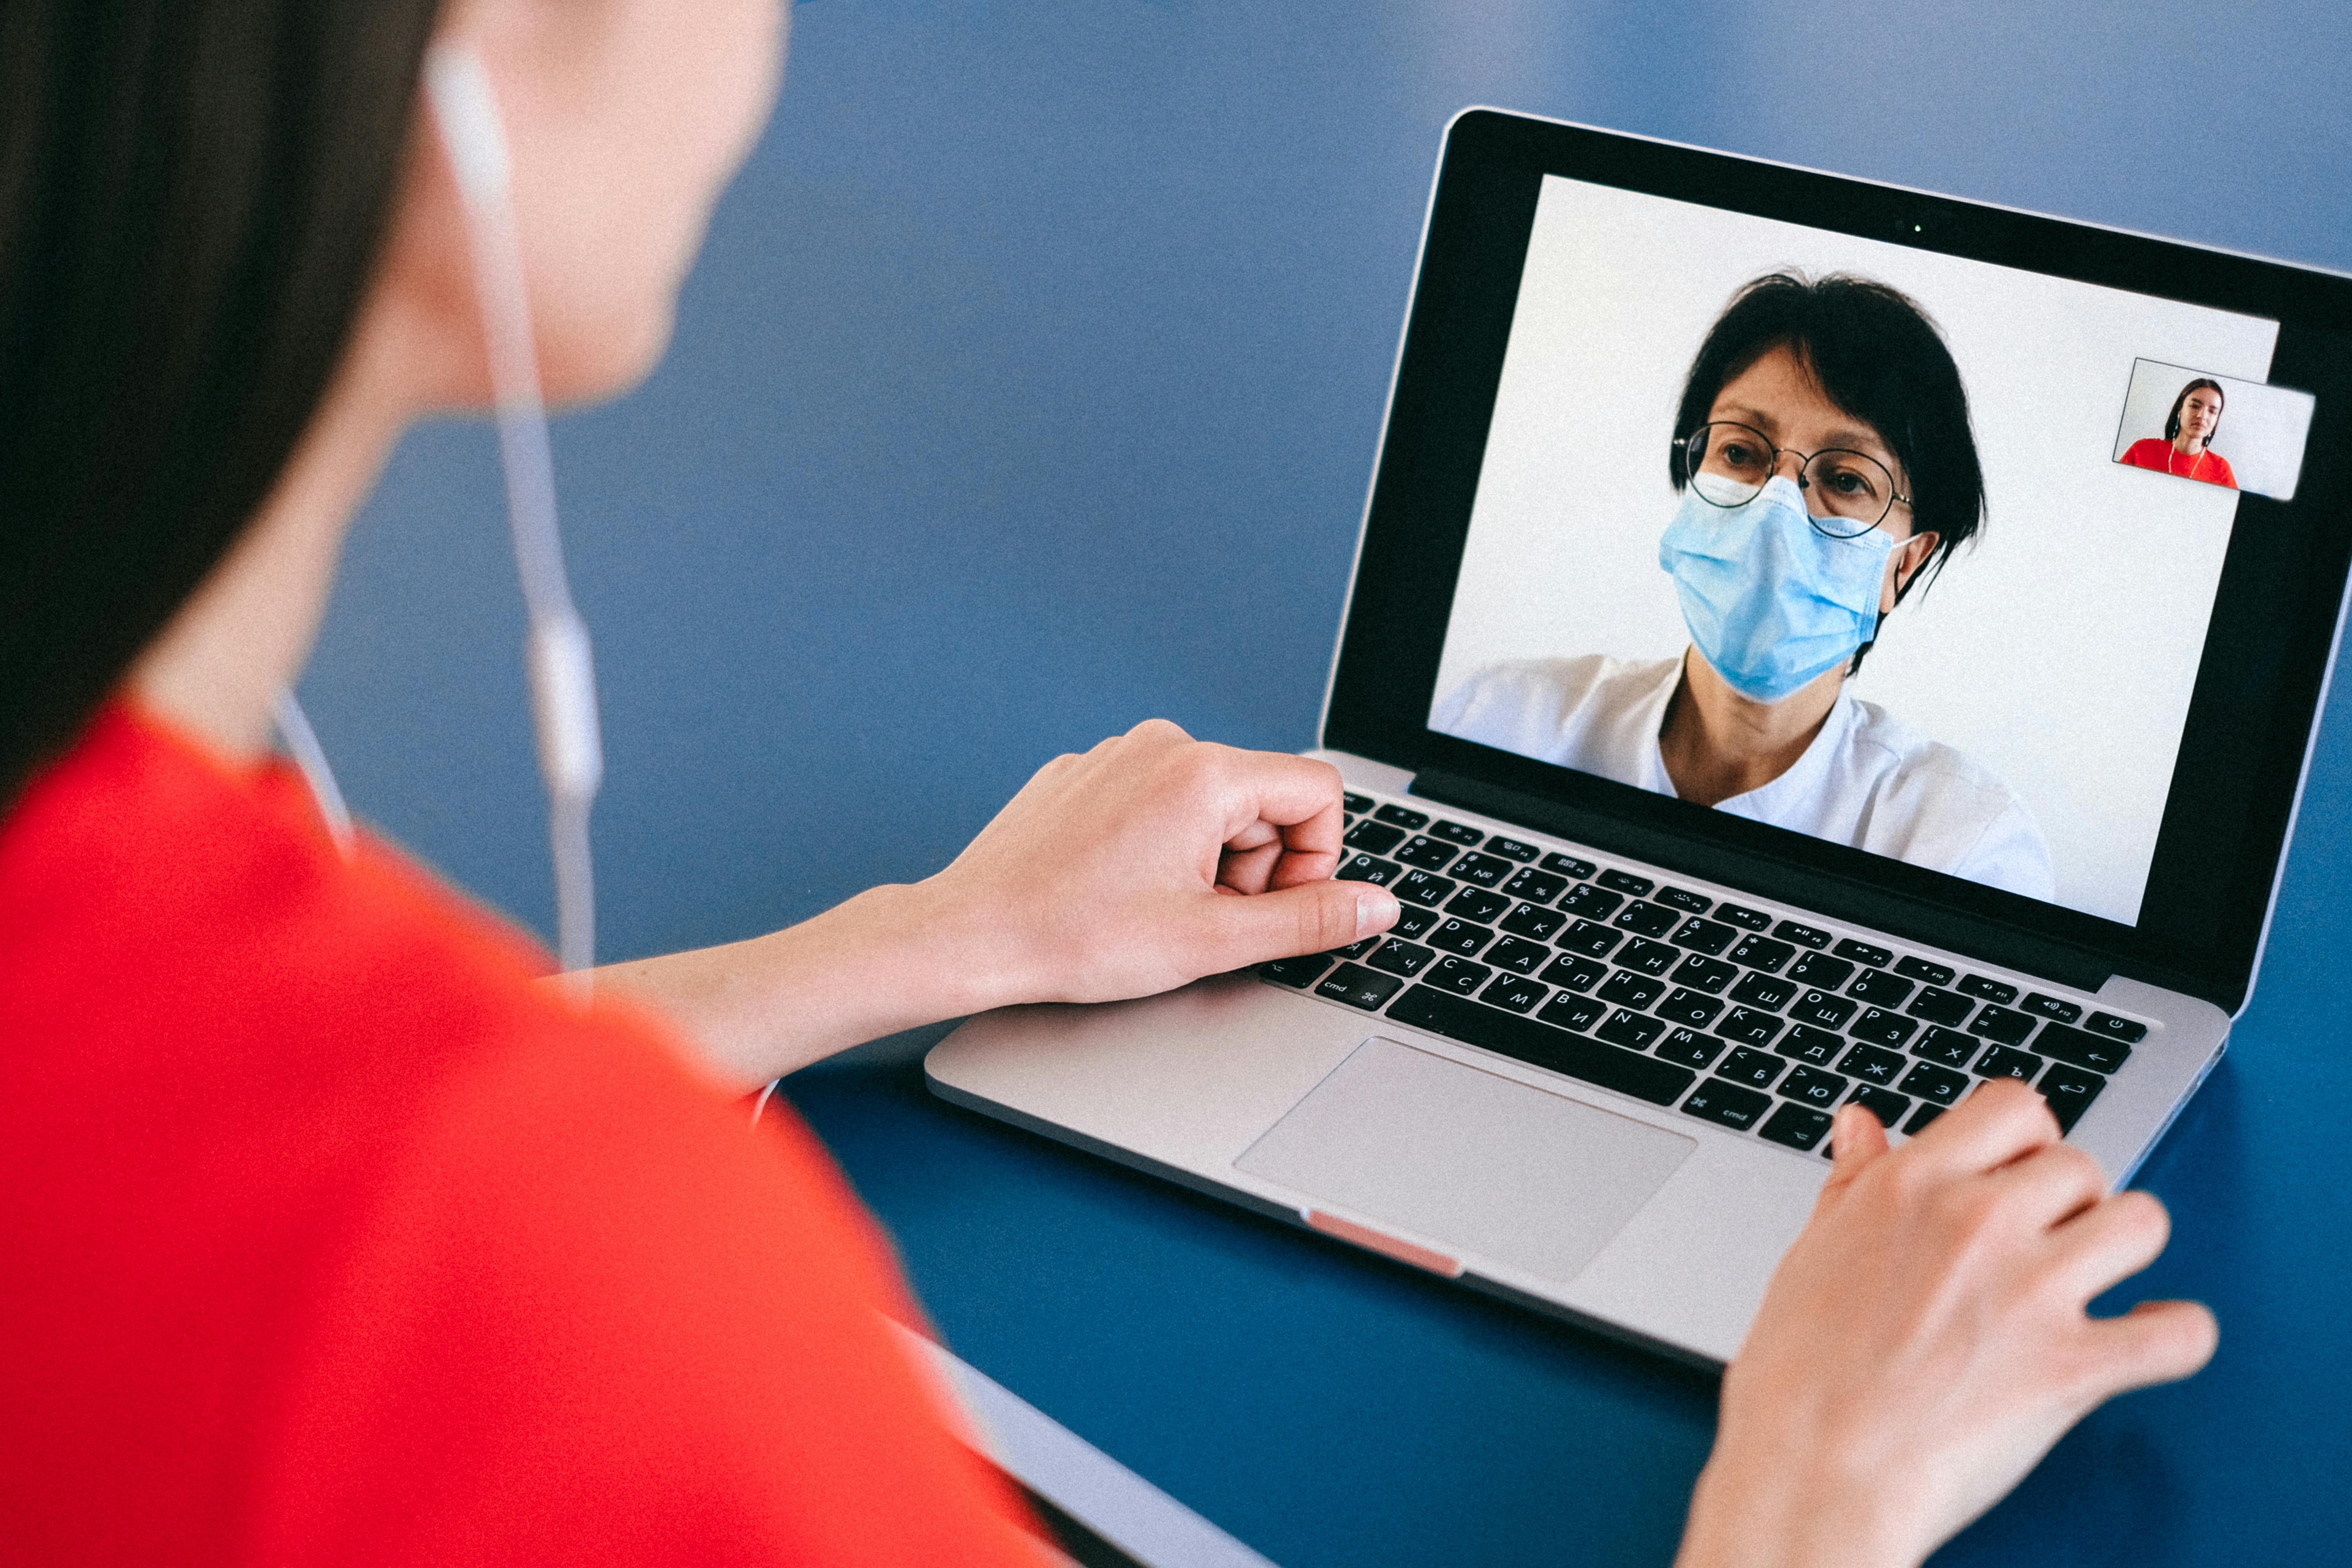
1904,565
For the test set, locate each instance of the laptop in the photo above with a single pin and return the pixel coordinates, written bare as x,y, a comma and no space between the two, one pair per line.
2034,831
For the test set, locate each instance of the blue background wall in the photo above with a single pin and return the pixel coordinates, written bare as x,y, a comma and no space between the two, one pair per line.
1029,385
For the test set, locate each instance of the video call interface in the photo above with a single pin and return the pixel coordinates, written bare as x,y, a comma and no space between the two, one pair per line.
1893,549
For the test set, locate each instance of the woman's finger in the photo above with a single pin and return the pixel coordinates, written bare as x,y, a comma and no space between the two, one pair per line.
1248,870
2002,1122
2156,1342
1298,795
2111,1243
2051,1185
1312,918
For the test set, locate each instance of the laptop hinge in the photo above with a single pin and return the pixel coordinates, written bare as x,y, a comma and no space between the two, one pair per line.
1840,898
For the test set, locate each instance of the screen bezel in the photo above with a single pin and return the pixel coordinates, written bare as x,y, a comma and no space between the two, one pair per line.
2269,647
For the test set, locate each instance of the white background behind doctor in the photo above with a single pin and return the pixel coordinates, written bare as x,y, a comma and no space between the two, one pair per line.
2058,650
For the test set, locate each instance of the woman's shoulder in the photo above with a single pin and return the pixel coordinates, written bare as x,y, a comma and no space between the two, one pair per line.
1555,686
1903,753
1939,806
2148,452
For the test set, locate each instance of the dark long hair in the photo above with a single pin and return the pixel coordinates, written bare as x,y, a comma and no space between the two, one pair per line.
2172,420
192,195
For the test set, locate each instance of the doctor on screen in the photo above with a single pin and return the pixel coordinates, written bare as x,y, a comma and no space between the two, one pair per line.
1824,461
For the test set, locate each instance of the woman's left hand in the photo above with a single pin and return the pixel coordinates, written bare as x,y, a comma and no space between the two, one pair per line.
1151,860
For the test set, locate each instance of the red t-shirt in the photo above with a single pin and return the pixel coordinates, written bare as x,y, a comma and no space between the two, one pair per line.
2155,452
327,1238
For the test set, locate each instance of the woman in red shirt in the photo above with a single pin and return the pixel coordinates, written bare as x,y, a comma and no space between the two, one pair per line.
2183,451
331,1236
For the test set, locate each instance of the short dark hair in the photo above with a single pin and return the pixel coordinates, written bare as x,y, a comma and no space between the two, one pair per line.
192,195
1878,356
2172,420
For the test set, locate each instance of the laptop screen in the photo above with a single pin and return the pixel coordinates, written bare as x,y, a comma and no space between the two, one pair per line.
1966,572
1903,549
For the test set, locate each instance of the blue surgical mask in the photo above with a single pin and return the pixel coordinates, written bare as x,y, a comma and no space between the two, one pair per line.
1770,600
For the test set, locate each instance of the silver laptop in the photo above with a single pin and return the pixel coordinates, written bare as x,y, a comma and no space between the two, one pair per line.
1698,840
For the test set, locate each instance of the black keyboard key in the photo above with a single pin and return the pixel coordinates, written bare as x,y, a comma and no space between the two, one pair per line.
1948,1046
1368,868
1404,817
1940,1006
2002,1024
2083,1049
1459,936
1819,1008
1573,972
1517,992
1536,886
1803,935
2070,1091
1404,958
1798,1126
1683,899
1821,970
1356,949
1414,922
1753,1068
1812,1086
1498,845
2113,1029
1925,1081
1529,1040
1649,957
1477,904
1629,990
1872,1065
1456,833
1883,1103
1300,972
1568,866
1749,1026
1578,1013
1519,955
1702,973
2051,1007
1358,987
1534,923
1626,882
1690,1048
1880,1028
1862,953
1761,952
1357,802
1484,869
1744,916
1421,888
1763,991
1694,1008
1880,989
1729,1103
1459,975
1424,852
1709,937
1992,990
1592,902
1921,1118
2004,1061
1373,838
1922,969
1807,1043
1592,940
1645,918
1632,1030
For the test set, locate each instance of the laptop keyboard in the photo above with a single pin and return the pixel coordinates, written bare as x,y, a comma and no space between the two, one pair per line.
1738,1016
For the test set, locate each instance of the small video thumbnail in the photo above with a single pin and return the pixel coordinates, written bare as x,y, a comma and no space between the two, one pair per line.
2213,429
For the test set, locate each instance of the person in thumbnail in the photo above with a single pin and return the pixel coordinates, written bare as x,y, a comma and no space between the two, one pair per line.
1823,456
2184,450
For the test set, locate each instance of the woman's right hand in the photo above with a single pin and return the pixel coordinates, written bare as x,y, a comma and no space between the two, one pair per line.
1925,1340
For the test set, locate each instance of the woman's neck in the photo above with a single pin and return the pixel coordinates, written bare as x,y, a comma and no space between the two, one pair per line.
217,666
1717,744
2188,446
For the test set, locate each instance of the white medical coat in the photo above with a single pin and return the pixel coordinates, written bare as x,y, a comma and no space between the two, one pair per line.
1868,779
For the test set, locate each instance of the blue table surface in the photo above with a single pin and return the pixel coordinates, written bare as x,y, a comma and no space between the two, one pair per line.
1029,385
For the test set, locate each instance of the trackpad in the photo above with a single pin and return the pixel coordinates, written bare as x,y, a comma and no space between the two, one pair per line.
1477,1162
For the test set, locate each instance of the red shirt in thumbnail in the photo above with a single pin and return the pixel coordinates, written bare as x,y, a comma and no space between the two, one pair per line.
2155,452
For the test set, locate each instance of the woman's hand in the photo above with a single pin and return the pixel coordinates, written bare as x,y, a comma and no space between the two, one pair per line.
1151,860
1926,1341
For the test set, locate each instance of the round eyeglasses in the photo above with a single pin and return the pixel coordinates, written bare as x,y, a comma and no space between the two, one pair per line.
1728,463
